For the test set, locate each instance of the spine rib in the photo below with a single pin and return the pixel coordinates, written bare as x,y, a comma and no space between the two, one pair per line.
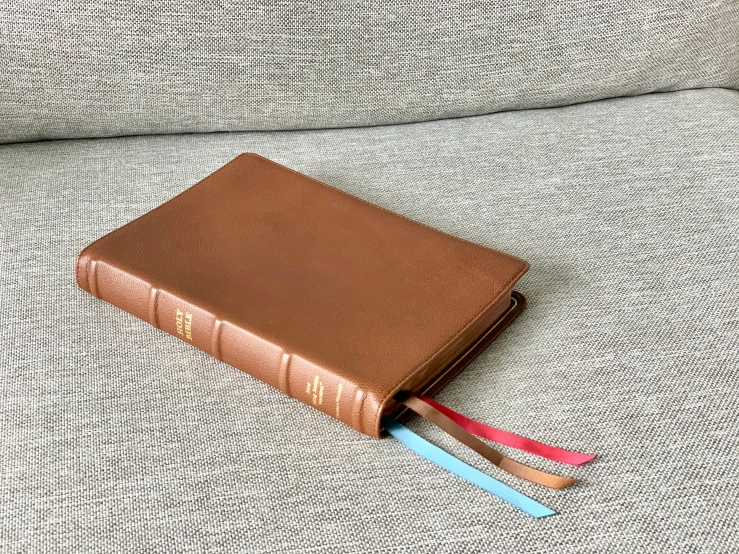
295,376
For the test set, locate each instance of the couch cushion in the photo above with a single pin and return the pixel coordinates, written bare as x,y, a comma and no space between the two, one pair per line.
118,437
104,68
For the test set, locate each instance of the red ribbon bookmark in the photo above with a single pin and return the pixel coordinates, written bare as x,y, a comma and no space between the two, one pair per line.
510,439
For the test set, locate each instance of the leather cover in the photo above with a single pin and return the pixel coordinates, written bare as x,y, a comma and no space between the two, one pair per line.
333,300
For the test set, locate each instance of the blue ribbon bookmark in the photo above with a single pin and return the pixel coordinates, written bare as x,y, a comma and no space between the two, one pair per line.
445,460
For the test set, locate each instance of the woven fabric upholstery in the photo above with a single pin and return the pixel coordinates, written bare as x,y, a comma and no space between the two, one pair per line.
87,68
116,437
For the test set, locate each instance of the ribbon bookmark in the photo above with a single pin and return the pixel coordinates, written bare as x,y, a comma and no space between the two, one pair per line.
509,439
446,461
503,462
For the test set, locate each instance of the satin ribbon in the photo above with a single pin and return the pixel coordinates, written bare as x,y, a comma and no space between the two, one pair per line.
448,462
486,451
509,439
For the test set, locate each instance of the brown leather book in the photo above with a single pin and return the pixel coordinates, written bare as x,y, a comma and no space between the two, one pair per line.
330,299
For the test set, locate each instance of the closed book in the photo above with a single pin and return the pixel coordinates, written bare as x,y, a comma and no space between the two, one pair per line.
334,301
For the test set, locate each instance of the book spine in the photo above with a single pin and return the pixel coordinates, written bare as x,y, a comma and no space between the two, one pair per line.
238,347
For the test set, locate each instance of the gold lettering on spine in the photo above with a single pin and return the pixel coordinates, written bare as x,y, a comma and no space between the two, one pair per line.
178,321
188,326
183,322
315,390
315,393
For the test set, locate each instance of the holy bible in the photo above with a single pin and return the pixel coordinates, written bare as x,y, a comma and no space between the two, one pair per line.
348,307
330,299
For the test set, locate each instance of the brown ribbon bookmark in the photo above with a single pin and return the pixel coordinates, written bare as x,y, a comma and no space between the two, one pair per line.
503,462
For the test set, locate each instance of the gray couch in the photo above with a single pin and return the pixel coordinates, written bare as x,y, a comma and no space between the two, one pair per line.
597,140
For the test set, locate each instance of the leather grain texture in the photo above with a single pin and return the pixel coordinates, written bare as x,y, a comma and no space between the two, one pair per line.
330,299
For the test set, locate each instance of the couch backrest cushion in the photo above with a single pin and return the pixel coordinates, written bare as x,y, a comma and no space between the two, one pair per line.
84,68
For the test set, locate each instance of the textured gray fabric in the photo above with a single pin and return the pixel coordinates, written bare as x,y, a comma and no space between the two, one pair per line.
101,68
116,437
